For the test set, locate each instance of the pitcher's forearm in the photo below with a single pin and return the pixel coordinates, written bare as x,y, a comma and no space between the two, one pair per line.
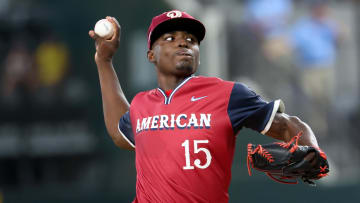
110,87
114,101
285,127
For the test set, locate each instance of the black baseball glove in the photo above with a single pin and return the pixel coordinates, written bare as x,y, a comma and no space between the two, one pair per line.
286,162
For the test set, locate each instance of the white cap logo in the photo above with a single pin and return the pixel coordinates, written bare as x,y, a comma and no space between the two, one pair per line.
174,14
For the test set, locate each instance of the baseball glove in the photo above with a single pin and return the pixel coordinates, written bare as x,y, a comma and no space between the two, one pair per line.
285,163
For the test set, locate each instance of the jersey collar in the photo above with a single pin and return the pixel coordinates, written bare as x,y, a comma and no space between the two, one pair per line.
169,98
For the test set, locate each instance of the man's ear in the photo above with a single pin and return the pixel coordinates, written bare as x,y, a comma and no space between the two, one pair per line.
151,56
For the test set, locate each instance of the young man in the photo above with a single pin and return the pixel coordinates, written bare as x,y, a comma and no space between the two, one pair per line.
184,131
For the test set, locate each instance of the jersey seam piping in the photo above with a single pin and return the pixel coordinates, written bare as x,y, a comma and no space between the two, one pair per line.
122,134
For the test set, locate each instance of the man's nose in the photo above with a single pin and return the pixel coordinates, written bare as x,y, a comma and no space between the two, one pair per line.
183,43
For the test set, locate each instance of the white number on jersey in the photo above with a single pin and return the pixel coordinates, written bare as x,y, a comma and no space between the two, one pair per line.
196,150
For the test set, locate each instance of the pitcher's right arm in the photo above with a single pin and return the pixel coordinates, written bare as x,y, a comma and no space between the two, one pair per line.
115,104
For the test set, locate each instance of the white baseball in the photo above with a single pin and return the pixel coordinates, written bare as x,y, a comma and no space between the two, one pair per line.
104,28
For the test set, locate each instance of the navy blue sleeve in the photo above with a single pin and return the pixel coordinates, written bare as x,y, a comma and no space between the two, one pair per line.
247,109
125,129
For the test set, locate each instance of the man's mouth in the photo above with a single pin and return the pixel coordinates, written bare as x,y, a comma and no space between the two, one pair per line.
184,53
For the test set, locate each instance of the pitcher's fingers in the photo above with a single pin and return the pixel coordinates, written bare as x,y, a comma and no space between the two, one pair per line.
116,21
116,27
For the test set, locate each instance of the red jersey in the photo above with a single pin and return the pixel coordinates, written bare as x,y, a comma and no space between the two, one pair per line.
184,142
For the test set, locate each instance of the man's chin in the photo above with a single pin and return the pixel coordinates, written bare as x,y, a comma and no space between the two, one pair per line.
185,67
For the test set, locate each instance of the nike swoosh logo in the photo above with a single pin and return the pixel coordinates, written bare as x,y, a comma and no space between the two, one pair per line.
193,98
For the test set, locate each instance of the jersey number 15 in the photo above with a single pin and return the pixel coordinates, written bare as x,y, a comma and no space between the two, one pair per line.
197,149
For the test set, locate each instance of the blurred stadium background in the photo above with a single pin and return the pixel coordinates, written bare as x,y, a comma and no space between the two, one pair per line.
53,143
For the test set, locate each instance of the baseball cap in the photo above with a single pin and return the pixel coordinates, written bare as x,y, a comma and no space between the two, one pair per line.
171,21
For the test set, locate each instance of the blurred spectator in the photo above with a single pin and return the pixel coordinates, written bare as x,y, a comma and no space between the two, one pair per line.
52,61
52,64
314,40
19,77
37,75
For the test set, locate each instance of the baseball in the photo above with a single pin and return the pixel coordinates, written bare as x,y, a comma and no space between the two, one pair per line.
104,29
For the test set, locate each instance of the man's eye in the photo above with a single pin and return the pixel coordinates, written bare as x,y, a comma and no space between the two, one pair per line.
189,39
169,38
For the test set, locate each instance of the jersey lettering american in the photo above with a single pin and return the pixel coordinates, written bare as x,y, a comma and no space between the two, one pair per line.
185,142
